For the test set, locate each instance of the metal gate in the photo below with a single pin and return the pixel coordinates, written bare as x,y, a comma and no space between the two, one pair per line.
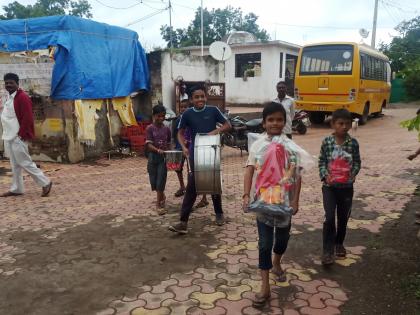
216,93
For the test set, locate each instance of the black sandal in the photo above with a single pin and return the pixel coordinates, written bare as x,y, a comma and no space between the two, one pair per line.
260,301
281,275
180,192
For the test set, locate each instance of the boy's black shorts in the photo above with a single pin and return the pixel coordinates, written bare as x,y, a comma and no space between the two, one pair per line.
156,167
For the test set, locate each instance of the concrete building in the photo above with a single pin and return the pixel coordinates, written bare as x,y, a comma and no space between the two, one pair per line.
167,72
80,100
252,72
56,125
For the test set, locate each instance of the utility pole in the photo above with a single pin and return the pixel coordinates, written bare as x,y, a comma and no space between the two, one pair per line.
171,44
375,18
202,30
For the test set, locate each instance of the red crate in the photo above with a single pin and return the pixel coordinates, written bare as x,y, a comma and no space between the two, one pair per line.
123,132
143,125
138,140
128,131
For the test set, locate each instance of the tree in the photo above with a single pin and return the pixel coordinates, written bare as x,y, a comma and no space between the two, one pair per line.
217,23
15,10
404,55
405,48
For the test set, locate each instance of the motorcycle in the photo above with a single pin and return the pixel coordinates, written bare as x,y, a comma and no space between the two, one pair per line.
237,136
300,122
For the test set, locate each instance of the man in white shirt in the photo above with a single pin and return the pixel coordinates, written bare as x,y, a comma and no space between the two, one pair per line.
288,104
18,128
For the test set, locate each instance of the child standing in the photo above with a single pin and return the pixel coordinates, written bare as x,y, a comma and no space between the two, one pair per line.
183,106
158,139
339,163
271,227
201,118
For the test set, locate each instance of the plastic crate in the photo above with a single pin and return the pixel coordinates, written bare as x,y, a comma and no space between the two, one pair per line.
123,132
129,131
143,125
138,140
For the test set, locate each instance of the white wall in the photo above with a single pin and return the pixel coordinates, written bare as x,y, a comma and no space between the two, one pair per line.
255,90
190,68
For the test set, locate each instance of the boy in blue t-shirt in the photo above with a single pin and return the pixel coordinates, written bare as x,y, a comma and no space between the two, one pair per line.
201,118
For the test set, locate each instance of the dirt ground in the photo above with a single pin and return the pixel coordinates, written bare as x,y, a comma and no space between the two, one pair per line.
387,280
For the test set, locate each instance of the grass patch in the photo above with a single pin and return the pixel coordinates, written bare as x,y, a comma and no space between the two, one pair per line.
411,285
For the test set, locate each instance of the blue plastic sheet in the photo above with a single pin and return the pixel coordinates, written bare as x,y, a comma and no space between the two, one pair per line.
92,60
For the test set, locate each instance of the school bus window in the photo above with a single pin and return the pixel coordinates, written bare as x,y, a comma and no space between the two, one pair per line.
332,59
373,68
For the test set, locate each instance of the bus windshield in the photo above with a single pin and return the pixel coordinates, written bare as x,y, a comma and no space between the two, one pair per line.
327,59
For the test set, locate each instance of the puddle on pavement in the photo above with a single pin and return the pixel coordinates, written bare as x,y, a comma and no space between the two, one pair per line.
360,211
86,267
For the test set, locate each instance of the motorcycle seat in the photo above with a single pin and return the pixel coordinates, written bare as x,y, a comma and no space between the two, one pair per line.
254,122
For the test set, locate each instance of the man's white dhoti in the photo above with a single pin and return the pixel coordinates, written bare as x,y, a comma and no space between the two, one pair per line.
20,159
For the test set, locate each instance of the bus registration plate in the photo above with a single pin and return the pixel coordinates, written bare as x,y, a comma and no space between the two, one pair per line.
322,108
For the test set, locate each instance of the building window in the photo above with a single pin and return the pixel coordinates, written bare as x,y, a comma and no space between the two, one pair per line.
248,65
291,61
281,65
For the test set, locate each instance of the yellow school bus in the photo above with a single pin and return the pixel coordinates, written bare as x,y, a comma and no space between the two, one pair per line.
337,75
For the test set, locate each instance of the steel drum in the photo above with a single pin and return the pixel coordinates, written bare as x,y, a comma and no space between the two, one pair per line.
207,167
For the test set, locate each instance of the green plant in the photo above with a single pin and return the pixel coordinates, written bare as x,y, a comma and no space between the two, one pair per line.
412,79
411,285
412,124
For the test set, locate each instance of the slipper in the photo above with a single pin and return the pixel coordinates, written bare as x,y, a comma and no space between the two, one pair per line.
10,194
259,300
163,202
202,204
281,275
46,190
180,192
161,211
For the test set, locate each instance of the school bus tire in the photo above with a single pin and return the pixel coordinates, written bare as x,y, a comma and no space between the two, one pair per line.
378,114
316,118
364,117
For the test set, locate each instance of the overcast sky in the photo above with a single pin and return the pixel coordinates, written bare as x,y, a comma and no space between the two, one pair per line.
296,21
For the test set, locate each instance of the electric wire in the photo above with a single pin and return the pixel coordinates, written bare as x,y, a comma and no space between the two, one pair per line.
117,8
146,17
385,6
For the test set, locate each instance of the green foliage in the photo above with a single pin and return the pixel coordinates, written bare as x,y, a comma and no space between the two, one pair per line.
412,124
411,285
404,54
217,23
15,10
405,48
412,79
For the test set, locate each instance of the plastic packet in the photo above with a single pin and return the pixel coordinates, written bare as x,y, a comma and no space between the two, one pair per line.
283,213
339,168
274,181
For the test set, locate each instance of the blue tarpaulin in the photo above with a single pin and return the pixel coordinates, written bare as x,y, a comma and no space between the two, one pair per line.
92,60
